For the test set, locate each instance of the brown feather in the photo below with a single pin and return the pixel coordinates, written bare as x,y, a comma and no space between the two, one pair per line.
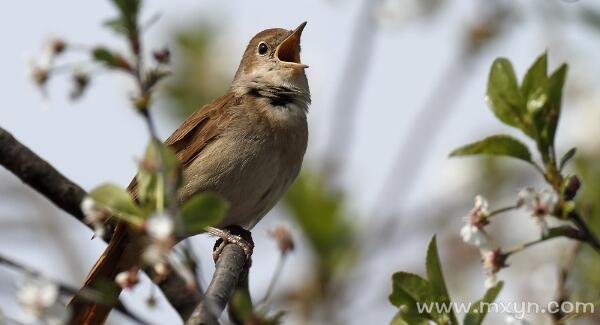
201,128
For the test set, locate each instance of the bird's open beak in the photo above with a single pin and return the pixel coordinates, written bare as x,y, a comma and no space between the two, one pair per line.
288,51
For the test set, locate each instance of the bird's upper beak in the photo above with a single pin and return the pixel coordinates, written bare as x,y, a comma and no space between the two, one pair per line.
288,52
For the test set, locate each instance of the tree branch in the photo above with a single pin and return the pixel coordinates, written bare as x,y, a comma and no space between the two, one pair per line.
40,175
228,273
587,234
45,179
179,295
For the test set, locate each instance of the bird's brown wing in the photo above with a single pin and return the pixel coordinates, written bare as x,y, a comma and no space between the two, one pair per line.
197,131
202,127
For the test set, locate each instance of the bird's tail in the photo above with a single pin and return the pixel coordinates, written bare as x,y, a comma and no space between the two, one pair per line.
120,255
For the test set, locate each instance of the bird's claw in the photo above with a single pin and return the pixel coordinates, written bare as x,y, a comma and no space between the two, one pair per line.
231,235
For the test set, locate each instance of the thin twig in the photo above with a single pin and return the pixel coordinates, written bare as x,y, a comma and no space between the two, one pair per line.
502,210
588,235
562,231
89,295
275,278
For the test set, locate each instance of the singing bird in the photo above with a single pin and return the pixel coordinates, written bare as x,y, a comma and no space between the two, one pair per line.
247,145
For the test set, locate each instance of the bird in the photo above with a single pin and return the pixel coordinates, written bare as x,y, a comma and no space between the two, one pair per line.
247,145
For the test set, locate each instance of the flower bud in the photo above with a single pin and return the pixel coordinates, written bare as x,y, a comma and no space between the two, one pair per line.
571,187
80,83
58,46
40,76
284,239
162,56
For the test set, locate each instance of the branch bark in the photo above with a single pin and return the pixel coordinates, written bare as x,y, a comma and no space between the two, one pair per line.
40,175
230,273
65,194
587,234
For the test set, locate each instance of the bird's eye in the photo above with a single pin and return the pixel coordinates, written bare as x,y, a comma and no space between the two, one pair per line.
263,48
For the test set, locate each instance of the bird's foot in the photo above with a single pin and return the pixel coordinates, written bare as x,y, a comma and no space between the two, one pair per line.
234,235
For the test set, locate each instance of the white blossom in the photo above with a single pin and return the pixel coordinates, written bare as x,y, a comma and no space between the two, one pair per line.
160,227
481,205
39,299
127,279
478,215
526,197
94,215
548,199
539,204
36,295
490,261
161,268
475,236
493,261
472,232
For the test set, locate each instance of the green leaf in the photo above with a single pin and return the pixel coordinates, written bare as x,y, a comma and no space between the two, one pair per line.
158,160
544,105
504,96
535,76
408,290
436,278
117,25
536,101
480,308
118,201
203,210
126,23
158,153
496,145
404,283
566,158
556,83
110,59
420,300
103,55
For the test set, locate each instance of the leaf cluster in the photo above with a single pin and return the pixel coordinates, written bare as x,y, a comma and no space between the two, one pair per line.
533,107
421,301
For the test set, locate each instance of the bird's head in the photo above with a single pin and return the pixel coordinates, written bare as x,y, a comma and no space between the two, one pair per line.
272,59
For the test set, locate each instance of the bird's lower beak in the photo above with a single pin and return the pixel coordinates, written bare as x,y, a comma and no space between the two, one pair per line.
288,52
